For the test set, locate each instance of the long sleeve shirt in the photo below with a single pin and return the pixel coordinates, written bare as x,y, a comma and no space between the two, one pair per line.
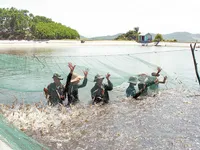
56,91
73,90
101,91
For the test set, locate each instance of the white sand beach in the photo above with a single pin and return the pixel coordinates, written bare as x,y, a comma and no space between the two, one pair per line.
64,43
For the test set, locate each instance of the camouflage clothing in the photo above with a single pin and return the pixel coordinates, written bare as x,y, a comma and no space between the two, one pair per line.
99,94
141,86
73,91
130,91
55,92
153,86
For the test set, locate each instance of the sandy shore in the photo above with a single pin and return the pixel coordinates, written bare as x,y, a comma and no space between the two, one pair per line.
4,146
64,43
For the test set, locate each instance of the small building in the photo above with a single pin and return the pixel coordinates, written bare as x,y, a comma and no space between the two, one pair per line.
145,38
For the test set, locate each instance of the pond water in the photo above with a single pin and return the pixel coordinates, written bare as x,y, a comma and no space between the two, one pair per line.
26,71
167,121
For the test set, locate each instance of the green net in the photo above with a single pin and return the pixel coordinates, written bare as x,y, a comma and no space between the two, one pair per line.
33,73
16,139
25,75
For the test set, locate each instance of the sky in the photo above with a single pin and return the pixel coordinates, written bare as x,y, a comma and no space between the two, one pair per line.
109,17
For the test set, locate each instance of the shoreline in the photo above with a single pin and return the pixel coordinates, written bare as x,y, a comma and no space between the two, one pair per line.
68,43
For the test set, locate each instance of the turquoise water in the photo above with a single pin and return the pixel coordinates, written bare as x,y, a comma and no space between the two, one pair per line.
167,121
25,72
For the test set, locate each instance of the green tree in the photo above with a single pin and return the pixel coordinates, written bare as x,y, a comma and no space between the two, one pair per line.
130,35
20,24
158,37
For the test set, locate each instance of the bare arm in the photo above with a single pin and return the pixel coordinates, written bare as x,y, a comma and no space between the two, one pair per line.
164,80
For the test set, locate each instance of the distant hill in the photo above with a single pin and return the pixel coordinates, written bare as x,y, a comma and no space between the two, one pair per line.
179,36
108,37
82,37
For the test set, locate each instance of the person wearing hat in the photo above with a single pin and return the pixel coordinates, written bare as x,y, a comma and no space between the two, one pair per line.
130,91
74,86
142,78
56,92
154,76
99,92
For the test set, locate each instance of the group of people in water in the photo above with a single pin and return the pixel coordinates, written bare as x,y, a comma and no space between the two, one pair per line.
67,94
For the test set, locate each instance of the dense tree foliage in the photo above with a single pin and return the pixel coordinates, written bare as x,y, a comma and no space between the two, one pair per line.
20,24
130,35
158,37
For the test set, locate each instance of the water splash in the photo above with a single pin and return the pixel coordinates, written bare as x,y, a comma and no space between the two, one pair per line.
168,120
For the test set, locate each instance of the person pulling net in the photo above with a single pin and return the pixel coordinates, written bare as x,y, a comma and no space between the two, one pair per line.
145,82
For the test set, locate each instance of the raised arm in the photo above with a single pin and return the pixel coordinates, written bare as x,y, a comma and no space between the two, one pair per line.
108,87
158,71
164,80
84,83
71,67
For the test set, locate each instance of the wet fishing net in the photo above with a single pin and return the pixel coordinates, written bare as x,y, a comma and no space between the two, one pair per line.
16,139
24,76
25,72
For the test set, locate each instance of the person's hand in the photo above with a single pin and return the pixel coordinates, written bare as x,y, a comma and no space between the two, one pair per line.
62,97
85,73
156,81
45,92
159,69
165,78
71,67
107,76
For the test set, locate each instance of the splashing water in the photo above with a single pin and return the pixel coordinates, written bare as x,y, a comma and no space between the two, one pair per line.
166,121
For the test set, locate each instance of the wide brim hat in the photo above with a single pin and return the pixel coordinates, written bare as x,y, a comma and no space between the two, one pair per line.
142,77
56,75
76,77
132,80
98,77
155,74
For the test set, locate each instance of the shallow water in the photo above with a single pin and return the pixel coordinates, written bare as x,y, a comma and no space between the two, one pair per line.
167,121
26,71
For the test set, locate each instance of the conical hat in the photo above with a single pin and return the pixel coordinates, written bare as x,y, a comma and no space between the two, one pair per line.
76,77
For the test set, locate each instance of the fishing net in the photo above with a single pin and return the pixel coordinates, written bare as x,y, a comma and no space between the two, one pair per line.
25,76
16,139
26,71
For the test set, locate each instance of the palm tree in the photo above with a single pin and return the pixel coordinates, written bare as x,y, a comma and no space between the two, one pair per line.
137,33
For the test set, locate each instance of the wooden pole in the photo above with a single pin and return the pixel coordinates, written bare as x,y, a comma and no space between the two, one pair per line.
195,63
